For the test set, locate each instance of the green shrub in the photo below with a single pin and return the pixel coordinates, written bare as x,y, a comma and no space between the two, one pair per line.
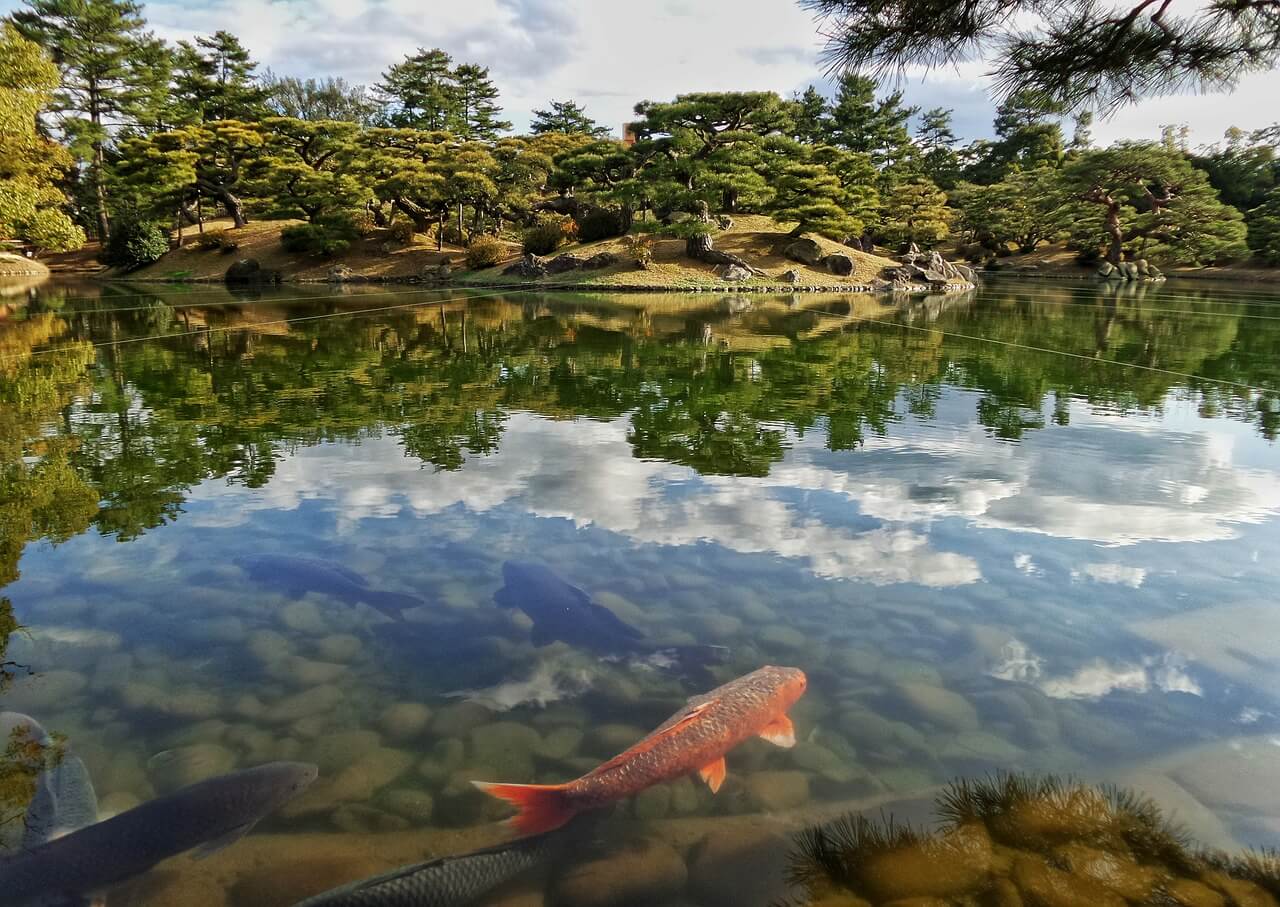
323,239
547,235
599,223
135,243
640,247
485,252
216,239
1264,228
453,236
401,231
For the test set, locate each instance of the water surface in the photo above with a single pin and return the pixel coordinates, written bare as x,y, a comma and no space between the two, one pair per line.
1032,528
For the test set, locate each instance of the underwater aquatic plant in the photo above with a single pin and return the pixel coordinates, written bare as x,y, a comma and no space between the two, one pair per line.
1017,837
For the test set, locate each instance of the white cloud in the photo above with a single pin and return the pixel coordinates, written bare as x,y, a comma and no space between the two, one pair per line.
1114,574
540,468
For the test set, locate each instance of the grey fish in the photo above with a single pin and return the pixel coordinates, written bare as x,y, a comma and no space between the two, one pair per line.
64,798
209,815
447,882
296,576
560,611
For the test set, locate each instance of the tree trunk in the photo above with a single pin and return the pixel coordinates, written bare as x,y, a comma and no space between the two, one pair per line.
233,205
1115,247
459,220
700,248
440,232
99,163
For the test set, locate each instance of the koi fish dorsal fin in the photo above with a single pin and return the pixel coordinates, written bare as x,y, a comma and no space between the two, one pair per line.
713,774
780,732
652,740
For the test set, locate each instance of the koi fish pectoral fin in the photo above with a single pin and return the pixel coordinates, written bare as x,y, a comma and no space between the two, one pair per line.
780,732
713,774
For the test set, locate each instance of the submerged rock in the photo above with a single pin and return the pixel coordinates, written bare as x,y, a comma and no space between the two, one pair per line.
404,720
947,867
938,706
739,867
176,768
644,872
777,791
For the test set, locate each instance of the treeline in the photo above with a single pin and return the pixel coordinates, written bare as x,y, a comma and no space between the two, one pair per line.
155,137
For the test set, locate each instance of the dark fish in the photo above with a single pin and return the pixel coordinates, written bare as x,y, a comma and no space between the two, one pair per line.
446,882
209,815
296,576
563,612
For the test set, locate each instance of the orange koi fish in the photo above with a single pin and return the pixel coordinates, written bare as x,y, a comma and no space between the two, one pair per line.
694,739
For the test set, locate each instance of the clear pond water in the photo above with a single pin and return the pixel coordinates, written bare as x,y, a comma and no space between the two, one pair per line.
1029,529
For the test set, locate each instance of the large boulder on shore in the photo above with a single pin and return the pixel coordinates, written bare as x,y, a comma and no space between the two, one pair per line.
531,267
563,263
250,271
735,273
804,250
838,263
600,260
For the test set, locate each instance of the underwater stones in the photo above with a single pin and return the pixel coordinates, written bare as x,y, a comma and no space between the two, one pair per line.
334,751
404,720
1200,821
938,706
781,638
48,690
503,737
1241,775
357,783
653,803
268,646
410,803
176,768
646,871
982,748
115,803
823,762
610,739
756,611
457,719
559,743
718,627
685,796
316,701
446,756
303,672
304,617
904,779
738,867
1043,886
340,647
775,791
358,819
284,882
943,867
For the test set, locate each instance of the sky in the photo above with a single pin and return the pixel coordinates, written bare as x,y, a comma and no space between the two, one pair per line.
609,54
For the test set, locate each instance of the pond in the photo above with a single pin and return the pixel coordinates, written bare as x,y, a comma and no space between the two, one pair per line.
1029,529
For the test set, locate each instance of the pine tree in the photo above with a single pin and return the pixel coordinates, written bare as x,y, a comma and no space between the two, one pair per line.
215,80
567,117
478,114
421,92
811,121
937,144
916,212
1142,198
877,128
808,193
1264,229
1028,134
1077,53
91,41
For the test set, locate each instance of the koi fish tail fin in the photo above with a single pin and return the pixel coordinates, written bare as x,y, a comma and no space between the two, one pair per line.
542,807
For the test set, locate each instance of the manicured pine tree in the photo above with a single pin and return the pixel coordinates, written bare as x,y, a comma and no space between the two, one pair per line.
877,128
92,42
916,212
567,117
215,80
478,114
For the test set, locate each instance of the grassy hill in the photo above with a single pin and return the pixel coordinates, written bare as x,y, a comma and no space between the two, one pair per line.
754,238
